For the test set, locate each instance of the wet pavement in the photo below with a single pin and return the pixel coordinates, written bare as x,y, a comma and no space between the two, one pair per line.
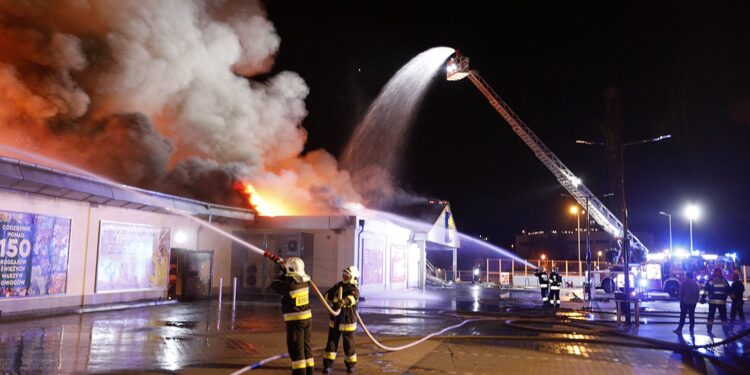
508,333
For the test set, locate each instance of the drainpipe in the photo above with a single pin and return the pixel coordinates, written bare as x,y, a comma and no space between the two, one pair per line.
360,263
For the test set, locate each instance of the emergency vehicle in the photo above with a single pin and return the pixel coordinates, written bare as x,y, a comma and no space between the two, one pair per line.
663,272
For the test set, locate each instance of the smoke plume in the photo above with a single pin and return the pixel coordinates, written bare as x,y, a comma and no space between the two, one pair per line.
159,94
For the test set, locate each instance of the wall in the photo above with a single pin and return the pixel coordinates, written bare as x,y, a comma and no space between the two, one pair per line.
82,255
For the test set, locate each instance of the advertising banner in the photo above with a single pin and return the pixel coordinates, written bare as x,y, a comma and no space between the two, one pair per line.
132,257
372,258
398,263
33,254
504,278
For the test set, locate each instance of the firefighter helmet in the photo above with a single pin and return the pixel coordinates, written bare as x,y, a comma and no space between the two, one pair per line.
295,265
353,272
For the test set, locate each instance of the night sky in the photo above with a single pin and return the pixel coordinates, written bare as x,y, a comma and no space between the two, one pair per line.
683,69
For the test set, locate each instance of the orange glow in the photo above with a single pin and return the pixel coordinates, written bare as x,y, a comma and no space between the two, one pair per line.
264,205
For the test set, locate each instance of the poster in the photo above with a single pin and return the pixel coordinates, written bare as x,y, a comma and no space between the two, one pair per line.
33,254
504,278
398,263
132,257
372,257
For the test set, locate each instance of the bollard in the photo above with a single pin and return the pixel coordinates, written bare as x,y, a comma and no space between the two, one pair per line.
221,289
234,292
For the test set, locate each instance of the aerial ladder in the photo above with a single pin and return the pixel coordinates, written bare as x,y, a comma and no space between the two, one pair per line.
458,68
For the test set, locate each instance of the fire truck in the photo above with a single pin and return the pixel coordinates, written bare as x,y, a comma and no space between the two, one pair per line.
664,272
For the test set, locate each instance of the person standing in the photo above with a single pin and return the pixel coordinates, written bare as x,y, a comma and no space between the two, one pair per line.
716,290
294,286
689,295
543,277
344,295
555,283
737,292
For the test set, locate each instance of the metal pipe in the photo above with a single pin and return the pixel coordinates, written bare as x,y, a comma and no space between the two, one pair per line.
221,289
234,292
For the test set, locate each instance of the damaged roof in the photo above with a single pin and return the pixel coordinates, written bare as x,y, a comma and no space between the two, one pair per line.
17,175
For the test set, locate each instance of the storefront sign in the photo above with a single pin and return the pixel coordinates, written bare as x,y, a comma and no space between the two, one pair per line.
33,254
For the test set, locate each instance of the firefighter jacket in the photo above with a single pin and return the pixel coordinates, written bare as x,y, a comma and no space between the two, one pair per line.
543,279
295,296
736,291
555,281
347,319
717,290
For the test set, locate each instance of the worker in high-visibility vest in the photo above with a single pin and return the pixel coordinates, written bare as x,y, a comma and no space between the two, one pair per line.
716,289
555,283
294,286
344,295
543,277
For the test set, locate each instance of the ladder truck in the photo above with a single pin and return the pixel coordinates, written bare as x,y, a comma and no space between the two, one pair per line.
458,68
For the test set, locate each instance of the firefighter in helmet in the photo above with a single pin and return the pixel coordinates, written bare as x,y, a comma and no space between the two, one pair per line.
555,283
344,295
543,277
294,286
716,289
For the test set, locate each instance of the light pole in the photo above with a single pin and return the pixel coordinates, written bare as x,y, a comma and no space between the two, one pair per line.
575,211
624,210
692,212
670,228
598,254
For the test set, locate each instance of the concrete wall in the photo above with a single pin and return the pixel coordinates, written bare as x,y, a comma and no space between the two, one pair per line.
82,255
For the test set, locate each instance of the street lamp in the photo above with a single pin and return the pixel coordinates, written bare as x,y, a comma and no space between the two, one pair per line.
575,211
692,212
670,228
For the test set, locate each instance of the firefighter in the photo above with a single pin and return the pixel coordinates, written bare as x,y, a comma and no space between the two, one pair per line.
716,289
344,295
543,284
555,283
737,292
294,286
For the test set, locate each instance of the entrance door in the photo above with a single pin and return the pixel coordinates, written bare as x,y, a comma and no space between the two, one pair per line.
190,274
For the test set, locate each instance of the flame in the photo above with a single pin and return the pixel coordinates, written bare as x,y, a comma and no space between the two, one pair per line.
264,205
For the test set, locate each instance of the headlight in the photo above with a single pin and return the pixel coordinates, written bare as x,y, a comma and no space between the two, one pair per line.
643,283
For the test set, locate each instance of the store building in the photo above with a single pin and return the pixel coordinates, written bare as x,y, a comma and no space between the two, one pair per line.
70,241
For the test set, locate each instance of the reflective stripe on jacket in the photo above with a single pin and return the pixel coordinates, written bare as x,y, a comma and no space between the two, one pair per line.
717,290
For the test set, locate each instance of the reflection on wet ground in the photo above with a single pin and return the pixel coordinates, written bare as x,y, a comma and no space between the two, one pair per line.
200,337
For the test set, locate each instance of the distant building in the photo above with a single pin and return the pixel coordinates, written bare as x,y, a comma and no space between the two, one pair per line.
563,244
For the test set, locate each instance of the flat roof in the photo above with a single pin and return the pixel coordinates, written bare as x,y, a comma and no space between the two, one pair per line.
18,175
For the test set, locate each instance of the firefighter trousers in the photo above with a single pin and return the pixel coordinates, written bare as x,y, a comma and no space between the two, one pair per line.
350,350
299,344
712,307
554,297
737,310
545,291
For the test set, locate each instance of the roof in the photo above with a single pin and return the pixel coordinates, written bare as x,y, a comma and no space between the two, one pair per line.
427,210
17,175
